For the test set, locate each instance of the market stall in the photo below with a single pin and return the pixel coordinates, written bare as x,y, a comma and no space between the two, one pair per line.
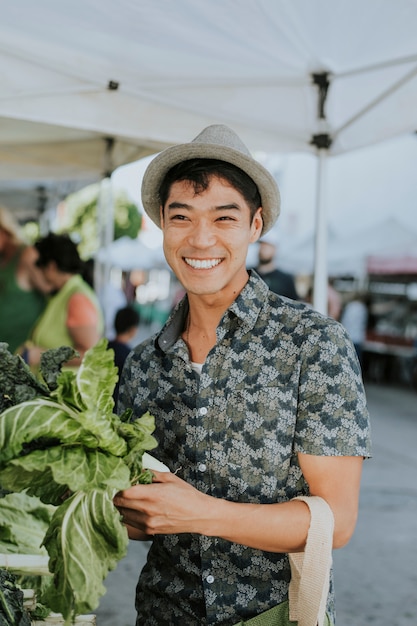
391,344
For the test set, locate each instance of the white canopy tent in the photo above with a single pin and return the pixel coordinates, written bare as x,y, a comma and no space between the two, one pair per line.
389,238
127,254
88,85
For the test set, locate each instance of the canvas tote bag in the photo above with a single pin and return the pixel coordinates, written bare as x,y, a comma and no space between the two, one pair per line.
310,575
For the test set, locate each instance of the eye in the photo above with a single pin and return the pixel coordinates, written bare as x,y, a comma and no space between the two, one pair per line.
178,217
226,218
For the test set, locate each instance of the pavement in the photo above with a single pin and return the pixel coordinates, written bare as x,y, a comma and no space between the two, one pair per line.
376,573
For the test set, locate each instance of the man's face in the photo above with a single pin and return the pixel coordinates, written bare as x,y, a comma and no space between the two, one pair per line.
206,237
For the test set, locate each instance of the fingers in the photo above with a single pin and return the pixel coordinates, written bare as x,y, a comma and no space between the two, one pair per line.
126,496
136,534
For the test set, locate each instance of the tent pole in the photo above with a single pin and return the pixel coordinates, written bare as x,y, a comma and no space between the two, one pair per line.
322,141
105,218
105,228
320,249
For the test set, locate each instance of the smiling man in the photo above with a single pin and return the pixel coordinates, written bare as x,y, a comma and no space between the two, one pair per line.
257,399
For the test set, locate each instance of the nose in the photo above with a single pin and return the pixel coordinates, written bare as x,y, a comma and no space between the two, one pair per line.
201,236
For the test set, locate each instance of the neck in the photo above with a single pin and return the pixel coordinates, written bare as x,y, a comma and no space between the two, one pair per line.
200,331
125,337
61,279
205,313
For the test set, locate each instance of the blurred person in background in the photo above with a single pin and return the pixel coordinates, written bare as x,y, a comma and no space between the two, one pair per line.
22,284
72,316
354,318
334,302
278,281
126,323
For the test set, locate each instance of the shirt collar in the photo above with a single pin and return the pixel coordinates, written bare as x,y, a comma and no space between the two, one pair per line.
246,308
250,301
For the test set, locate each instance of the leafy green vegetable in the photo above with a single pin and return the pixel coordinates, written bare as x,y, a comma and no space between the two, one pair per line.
52,362
67,447
12,611
23,524
16,380
97,539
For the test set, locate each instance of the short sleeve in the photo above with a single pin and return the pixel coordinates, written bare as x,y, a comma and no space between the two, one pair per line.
332,418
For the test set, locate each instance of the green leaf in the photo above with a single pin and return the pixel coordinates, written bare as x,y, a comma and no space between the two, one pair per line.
67,391
40,419
85,540
17,382
54,422
103,429
49,474
52,362
97,377
23,524
12,611
139,438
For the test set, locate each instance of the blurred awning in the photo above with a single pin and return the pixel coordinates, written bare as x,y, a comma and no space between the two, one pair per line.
130,254
391,265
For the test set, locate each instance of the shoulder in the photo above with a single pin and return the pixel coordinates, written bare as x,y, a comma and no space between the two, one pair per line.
82,309
121,351
301,321
82,299
143,352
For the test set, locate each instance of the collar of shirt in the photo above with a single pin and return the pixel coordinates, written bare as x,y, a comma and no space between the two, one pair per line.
246,308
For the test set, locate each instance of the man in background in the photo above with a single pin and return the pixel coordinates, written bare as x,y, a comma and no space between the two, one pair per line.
278,281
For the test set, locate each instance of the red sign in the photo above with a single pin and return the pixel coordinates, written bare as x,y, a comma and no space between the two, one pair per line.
392,265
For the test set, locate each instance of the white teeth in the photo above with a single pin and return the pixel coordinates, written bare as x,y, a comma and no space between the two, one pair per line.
205,264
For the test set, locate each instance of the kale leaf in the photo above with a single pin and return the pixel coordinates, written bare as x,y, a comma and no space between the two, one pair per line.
17,382
12,611
52,362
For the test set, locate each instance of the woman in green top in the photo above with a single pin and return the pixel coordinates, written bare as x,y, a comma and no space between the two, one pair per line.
22,285
73,316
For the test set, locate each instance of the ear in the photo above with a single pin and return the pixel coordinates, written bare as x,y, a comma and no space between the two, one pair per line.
161,216
256,226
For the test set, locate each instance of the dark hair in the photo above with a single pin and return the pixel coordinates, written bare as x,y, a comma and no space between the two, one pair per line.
125,319
62,250
200,171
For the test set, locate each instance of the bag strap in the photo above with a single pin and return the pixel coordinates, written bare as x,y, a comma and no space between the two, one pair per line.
310,570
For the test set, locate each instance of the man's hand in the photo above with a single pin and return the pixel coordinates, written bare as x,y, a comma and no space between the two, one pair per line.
169,505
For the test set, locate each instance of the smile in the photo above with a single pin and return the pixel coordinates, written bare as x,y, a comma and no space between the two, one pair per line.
204,264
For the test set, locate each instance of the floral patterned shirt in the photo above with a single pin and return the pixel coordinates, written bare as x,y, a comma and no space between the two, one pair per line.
281,379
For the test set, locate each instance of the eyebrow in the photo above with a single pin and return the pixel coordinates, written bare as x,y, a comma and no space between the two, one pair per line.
221,207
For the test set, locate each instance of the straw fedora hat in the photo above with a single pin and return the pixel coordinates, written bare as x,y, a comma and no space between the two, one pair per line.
214,142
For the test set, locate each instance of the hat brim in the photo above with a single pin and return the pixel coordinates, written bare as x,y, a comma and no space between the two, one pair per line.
163,162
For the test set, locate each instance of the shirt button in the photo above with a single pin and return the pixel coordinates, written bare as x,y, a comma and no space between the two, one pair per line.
202,467
210,579
203,410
